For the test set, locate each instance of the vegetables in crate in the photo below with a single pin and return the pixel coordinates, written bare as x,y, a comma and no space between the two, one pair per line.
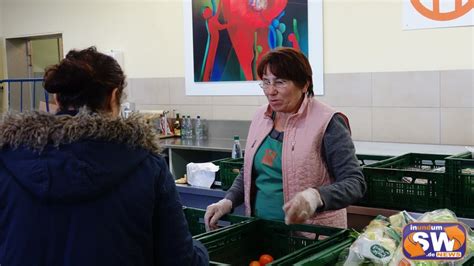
379,241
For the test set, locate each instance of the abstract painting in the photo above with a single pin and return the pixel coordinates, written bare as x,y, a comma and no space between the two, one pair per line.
230,36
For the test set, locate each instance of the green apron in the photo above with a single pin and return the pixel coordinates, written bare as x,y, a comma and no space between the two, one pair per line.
267,169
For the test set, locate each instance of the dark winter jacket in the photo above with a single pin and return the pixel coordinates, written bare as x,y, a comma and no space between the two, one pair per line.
88,190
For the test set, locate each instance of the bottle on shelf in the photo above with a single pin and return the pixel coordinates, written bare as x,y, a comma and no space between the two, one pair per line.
184,128
177,126
165,127
126,110
198,128
189,131
236,149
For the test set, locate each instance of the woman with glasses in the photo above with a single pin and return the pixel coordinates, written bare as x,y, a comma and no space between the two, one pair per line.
300,164
84,186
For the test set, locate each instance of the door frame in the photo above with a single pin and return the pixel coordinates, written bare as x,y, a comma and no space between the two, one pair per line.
27,39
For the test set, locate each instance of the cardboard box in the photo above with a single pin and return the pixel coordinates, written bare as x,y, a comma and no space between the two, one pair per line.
52,107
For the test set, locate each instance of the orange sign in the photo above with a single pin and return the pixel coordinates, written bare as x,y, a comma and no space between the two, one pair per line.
460,9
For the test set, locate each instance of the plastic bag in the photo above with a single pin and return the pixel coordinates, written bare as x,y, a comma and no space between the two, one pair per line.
376,245
201,174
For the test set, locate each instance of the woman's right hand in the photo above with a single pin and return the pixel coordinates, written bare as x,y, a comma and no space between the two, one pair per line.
215,211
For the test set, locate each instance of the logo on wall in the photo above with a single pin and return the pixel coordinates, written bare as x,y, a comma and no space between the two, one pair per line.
434,241
419,14
460,9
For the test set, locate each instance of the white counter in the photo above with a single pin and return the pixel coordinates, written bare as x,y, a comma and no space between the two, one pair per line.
394,149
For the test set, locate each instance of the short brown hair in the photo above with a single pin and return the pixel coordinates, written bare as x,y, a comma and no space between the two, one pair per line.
288,63
85,78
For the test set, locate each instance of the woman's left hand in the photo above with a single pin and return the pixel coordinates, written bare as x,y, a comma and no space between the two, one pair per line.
302,206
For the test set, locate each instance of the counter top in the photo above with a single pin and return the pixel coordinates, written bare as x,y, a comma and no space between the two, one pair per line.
395,149
200,190
362,147
224,145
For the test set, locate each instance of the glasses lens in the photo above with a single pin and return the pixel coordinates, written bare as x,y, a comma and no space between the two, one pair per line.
280,84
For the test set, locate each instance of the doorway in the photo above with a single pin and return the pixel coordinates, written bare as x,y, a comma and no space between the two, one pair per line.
27,58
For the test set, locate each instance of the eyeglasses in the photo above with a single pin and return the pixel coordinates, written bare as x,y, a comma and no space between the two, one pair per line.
278,84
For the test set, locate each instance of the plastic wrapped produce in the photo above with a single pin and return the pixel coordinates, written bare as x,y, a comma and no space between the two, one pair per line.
380,243
375,246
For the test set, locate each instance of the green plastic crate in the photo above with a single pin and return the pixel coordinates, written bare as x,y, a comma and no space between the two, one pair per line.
323,252
195,219
461,184
413,182
364,160
327,254
229,170
470,262
246,241
367,159
217,180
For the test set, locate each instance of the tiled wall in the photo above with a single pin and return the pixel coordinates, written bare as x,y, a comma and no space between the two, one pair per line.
434,107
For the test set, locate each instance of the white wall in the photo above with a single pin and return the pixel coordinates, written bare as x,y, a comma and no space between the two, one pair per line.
2,55
150,33
367,36
1,18
2,50
399,86
359,36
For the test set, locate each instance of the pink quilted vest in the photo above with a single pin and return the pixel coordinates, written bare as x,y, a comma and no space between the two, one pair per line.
302,165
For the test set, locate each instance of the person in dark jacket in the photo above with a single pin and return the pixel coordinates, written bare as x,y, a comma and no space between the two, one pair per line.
84,186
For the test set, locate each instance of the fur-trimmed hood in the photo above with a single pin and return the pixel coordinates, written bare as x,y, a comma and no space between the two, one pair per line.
73,157
35,130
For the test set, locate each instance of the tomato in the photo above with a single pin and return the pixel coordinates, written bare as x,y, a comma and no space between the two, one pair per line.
265,259
254,263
